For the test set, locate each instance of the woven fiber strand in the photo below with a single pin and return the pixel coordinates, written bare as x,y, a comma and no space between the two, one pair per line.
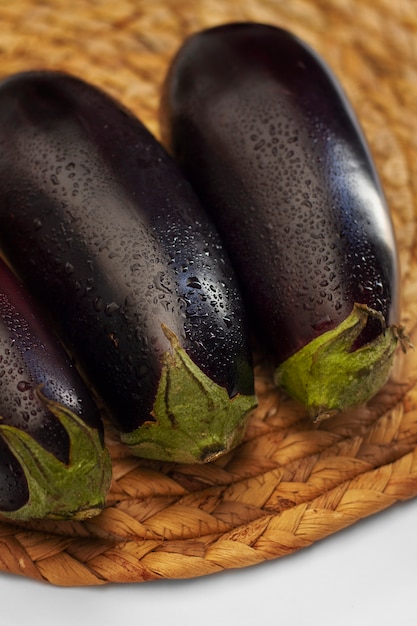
289,483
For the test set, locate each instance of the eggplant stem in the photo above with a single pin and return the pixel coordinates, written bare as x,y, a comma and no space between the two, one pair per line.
57,490
195,419
326,376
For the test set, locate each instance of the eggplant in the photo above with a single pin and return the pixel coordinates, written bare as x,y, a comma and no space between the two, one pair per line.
53,461
263,131
99,221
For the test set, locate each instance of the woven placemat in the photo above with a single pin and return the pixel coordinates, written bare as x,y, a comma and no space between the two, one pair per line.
289,483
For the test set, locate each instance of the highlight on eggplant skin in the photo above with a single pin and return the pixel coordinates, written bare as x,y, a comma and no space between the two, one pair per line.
98,219
265,134
53,462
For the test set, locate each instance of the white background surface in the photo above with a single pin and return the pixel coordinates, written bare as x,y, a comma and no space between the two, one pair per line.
365,575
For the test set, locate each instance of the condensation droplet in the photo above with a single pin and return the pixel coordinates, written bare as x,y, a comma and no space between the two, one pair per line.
24,385
193,282
111,308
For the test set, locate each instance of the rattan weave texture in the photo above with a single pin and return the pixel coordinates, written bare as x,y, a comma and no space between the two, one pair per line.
289,483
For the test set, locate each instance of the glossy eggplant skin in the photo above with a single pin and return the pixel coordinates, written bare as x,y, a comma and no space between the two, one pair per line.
97,218
36,371
270,143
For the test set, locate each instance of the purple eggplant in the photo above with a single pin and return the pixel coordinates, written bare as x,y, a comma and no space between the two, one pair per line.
266,136
53,462
98,219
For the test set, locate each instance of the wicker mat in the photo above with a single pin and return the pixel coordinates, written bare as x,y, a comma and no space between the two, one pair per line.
289,483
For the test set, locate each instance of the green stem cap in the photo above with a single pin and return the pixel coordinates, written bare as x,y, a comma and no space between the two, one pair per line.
195,419
76,490
327,376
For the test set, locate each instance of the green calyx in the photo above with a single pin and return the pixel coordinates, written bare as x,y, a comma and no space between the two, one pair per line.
56,490
195,419
327,376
